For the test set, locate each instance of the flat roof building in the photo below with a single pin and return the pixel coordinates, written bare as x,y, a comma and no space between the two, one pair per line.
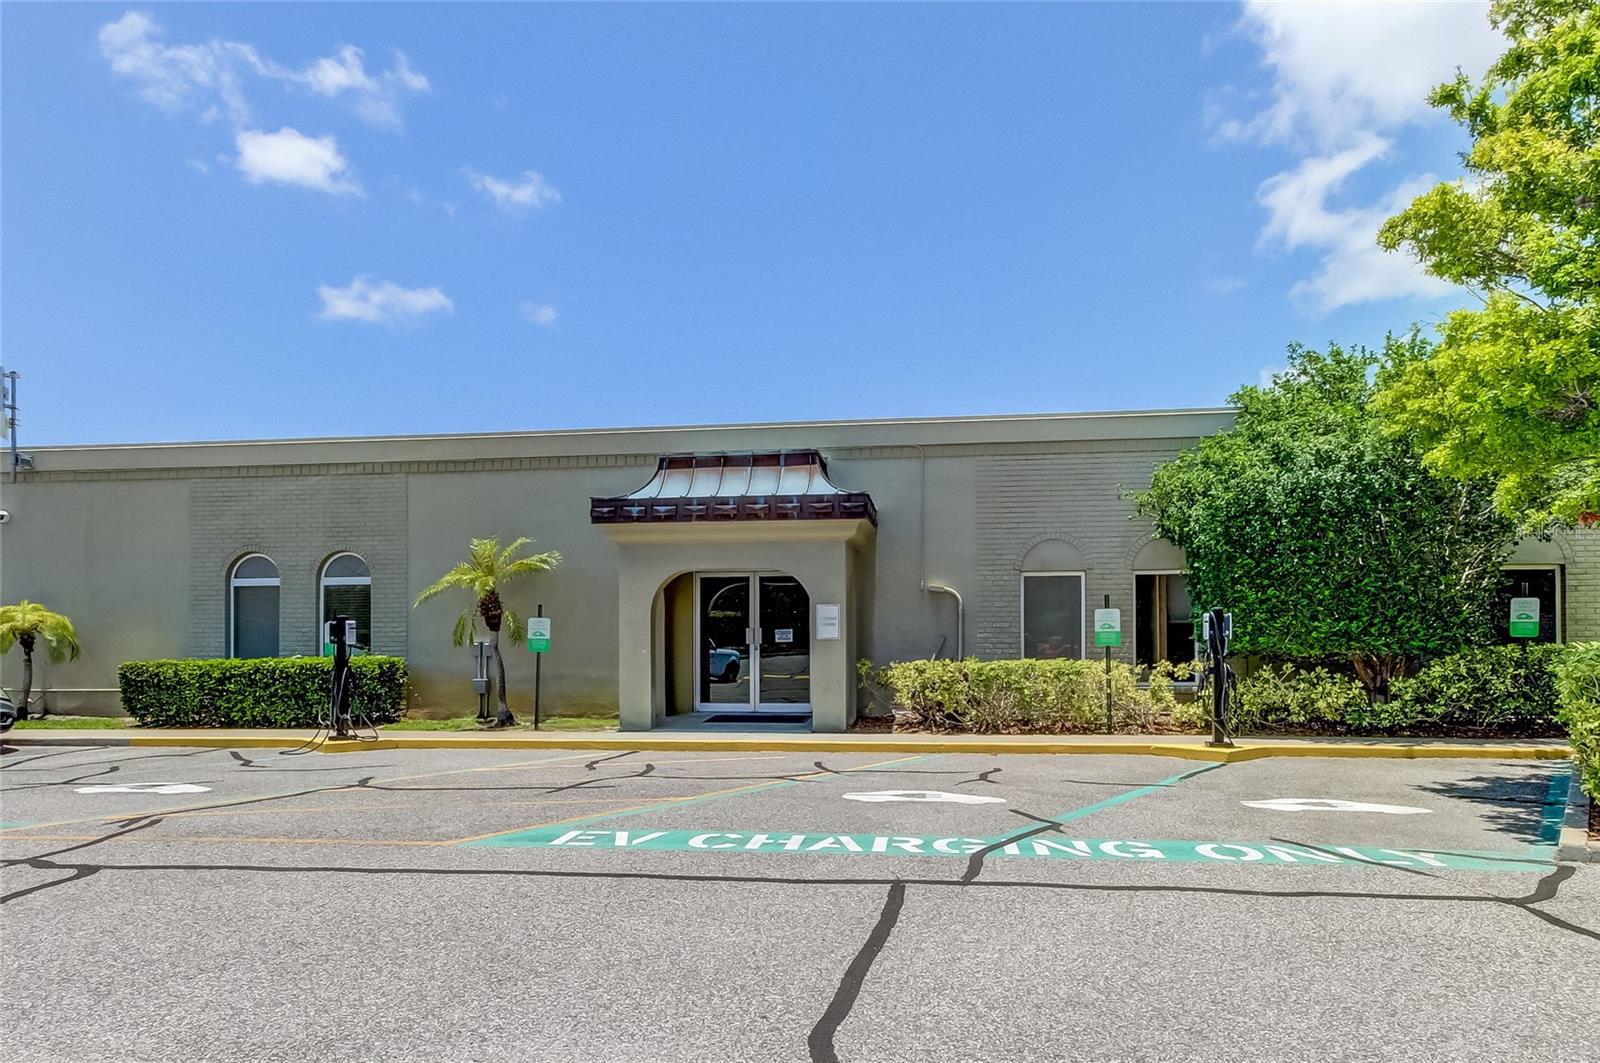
730,570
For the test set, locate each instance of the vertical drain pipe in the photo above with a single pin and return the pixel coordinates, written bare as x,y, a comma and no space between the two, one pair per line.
961,616
922,549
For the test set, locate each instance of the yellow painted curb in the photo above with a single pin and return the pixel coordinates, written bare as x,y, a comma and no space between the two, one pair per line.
864,744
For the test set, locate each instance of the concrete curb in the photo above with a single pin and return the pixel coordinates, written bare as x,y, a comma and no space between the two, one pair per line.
1575,845
793,743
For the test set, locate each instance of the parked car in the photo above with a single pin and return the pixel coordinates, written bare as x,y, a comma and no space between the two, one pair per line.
8,714
723,664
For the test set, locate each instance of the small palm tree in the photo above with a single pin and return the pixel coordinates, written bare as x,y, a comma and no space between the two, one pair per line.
25,624
486,570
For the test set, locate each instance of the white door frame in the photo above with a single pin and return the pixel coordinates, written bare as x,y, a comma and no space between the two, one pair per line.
753,633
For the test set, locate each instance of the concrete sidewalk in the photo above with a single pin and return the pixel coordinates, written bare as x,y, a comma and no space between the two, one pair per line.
1189,747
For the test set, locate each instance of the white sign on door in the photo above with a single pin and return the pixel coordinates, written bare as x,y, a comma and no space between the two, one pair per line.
827,621
783,634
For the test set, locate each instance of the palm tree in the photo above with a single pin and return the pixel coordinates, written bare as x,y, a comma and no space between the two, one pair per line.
486,570
25,624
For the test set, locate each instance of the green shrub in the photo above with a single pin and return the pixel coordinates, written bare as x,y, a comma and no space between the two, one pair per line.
258,692
1050,696
1487,689
1577,672
1289,699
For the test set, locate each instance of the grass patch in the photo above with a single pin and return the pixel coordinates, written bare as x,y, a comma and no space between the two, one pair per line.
524,723
86,723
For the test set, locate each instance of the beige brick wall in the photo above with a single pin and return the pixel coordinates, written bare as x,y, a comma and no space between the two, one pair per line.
1027,499
299,522
1583,585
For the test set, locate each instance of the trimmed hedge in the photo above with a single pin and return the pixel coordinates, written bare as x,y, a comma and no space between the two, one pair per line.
257,692
1489,690
1058,696
1578,684
1498,690
1292,699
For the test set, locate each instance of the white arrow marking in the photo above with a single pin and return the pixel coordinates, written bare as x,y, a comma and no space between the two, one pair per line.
146,788
925,795
1332,804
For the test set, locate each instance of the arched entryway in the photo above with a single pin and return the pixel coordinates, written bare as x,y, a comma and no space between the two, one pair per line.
736,588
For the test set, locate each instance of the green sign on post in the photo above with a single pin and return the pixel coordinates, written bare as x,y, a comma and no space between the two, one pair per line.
1108,627
1524,618
539,634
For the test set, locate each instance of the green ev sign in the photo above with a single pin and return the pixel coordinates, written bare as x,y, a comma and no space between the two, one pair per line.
1524,618
1108,627
539,634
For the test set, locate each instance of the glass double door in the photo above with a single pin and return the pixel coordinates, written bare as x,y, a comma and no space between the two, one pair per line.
754,635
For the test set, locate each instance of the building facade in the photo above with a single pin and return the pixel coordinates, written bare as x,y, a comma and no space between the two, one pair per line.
731,572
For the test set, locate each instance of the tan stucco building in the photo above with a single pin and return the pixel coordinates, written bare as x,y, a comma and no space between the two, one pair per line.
709,573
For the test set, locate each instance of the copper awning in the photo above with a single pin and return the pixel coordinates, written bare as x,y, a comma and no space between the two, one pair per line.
752,485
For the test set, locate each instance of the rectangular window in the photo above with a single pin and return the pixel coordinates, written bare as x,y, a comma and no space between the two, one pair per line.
255,621
1052,614
1542,582
1163,618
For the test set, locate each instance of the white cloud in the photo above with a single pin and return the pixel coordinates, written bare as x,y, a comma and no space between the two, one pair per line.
1224,285
542,314
1341,69
1265,377
211,75
380,302
531,192
289,157
1352,267
1347,77
174,76
376,99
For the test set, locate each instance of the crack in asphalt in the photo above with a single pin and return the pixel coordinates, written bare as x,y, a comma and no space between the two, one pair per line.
820,1041
78,875
62,782
97,763
615,756
1545,891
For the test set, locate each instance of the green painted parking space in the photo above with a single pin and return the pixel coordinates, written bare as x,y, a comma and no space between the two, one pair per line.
1043,839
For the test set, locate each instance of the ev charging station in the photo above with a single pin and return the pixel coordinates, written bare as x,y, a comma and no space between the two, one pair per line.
340,633
1218,630
481,655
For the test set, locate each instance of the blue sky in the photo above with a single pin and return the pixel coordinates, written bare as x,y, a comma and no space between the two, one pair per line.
237,221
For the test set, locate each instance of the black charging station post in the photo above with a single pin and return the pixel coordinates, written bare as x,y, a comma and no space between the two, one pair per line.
1218,630
341,634
538,659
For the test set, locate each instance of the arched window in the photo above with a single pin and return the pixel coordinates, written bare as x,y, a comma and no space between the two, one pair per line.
253,603
346,590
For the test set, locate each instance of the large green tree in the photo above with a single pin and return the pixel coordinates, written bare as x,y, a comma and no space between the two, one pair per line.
1512,389
1325,536
488,568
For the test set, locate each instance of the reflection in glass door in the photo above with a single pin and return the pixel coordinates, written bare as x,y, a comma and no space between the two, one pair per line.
755,643
725,665
785,667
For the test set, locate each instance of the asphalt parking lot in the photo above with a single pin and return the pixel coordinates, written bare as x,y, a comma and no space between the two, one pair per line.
209,904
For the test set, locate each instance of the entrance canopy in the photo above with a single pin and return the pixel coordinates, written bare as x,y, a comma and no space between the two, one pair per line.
737,585
748,486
